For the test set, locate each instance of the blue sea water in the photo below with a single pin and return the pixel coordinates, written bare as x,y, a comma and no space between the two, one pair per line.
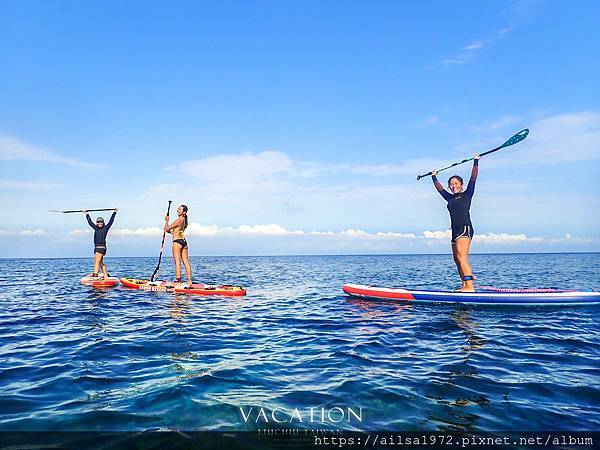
78,358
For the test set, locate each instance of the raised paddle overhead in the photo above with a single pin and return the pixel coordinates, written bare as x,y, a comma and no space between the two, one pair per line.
512,141
82,210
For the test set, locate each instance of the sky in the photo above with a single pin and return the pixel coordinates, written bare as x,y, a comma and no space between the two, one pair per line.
298,127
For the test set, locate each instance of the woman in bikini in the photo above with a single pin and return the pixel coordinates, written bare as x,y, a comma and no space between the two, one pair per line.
180,246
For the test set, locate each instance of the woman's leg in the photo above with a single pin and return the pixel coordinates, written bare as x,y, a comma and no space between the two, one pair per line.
461,248
457,262
177,259
97,262
188,266
104,271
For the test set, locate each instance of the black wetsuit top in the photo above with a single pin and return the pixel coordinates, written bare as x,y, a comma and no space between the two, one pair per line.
459,204
101,232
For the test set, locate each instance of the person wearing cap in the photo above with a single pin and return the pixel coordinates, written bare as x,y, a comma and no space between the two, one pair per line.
100,232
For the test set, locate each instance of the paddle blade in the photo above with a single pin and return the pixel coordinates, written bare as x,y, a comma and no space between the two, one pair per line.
516,138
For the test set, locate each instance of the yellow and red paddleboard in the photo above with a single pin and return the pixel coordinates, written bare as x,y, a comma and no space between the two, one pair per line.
182,288
89,280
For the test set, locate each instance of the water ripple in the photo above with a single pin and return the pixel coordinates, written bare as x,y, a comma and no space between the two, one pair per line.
76,358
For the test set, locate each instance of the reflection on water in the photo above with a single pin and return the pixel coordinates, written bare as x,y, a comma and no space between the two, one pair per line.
179,307
460,402
464,321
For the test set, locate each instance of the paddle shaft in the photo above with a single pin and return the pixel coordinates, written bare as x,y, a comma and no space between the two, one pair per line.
82,210
465,160
162,246
460,162
513,140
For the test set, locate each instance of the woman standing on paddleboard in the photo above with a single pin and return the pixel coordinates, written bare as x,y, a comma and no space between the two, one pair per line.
180,246
459,203
100,232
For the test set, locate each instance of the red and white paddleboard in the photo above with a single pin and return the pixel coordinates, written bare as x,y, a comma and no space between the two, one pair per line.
487,296
99,281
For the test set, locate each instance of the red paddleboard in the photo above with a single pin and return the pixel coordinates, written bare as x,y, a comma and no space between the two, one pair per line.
89,280
182,288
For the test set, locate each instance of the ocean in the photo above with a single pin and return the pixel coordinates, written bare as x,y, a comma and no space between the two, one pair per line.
296,350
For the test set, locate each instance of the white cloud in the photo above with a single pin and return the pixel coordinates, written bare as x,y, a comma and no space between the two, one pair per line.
275,239
470,51
461,59
504,238
410,167
143,232
148,231
429,121
552,140
36,232
32,185
12,148
196,229
487,238
468,54
241,167
446,234
498,124
565,137
275,230
474,46
268,230
274,165
275,188
80,232
568,238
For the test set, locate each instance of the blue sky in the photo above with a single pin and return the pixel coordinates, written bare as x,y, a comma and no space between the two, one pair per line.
298,127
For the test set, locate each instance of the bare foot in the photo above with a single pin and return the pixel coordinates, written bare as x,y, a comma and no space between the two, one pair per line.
465,289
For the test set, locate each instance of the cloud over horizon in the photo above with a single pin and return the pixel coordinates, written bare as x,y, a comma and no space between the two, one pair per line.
12,148
274,230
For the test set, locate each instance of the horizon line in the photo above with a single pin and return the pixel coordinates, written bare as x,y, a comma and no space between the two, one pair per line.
309,255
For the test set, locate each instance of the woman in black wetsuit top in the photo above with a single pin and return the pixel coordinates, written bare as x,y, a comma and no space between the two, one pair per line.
459,203
100,232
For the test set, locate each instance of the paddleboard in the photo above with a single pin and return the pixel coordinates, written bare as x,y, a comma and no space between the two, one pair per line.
182,288
89,280
488,296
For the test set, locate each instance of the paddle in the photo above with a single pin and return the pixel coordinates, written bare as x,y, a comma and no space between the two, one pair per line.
162,246
512,141
82,210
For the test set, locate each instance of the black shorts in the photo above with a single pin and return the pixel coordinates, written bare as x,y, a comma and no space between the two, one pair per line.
100,249
181,242
465,231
